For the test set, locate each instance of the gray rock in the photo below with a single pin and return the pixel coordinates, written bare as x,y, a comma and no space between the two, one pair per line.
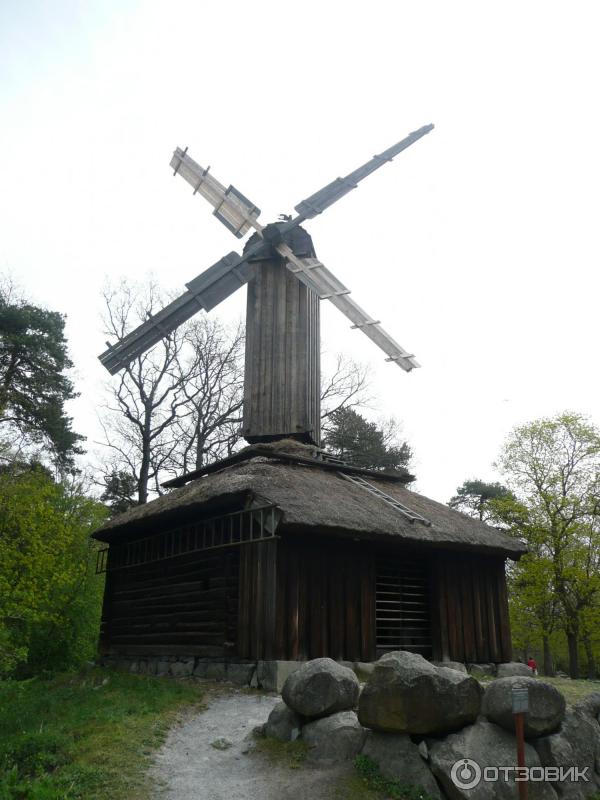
407,694
546,705
363,669
240,674
182,669
576,744
283,724
589,705
321,687
451,665
338,737
271,675
215,671
488,746
483,670
162,667
512,669
221,743
397,757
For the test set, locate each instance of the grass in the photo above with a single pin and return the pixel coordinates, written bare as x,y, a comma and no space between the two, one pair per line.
573,690
85,736
293,753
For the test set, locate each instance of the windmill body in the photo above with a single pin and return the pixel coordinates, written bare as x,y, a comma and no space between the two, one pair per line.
281,552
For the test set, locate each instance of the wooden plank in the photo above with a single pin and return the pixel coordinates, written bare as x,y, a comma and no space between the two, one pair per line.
491,612
503,614
293,604
269,597
352,601
468,620
336,611
481,642
367,606
281,650
314,602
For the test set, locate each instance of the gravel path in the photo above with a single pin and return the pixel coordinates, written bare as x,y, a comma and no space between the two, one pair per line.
188,767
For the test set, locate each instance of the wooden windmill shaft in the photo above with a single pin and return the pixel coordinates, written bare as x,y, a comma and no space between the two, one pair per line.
282,374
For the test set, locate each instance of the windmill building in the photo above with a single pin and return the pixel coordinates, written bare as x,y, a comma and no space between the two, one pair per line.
282,552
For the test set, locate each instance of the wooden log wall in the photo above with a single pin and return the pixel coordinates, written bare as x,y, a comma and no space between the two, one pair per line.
470,620
325,600
185,605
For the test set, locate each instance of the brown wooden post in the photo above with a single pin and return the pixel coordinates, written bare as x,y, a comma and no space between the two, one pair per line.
281,383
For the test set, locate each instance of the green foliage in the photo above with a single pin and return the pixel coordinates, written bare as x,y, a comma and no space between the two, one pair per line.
33,385
119,492
362,443
50,597
85,736
368,770
553,467
476,498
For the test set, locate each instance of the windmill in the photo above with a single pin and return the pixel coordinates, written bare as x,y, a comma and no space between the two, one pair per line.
286,282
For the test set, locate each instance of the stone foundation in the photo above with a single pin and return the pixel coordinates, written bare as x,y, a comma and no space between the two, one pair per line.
267,675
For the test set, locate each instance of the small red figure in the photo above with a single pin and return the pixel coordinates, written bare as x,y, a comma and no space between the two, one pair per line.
532,664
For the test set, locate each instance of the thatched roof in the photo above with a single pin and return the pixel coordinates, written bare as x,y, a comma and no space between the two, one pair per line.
315,499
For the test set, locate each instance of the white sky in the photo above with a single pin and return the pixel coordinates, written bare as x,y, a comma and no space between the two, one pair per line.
477,248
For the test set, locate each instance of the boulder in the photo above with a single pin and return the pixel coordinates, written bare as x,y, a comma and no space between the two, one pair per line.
546,705
338,737
451,665
271,675
321,687
283,724
486,745
483,670
398,757
512,669
576,744
182,669
407,694
240,674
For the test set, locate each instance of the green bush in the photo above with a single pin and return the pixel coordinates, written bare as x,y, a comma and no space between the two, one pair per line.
50,596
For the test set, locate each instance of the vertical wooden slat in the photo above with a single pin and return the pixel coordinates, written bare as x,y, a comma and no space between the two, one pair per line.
303,606
352,600
282,611
367,606
481,644
269,598
492,613
468,619
336,608
503,613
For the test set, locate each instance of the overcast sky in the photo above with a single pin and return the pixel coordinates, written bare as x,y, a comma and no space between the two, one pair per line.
477,247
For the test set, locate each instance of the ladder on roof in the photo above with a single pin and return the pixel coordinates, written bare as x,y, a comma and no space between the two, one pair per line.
406,512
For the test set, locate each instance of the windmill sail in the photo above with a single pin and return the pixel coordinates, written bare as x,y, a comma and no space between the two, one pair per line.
204,292
328,195
235,211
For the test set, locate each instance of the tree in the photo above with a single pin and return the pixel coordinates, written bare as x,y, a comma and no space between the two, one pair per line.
353,438
34,386
346,386
553,466
148,394
50,597
119,492
209,426
475,498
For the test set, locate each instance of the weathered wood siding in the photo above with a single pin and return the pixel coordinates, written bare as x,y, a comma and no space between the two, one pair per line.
183,605
470,620
325,600
282,392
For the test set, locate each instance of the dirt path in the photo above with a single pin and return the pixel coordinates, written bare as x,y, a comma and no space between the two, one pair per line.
189,767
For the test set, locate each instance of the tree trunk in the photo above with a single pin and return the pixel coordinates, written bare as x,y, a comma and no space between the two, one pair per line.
144,472
573,644
548,665
589,652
